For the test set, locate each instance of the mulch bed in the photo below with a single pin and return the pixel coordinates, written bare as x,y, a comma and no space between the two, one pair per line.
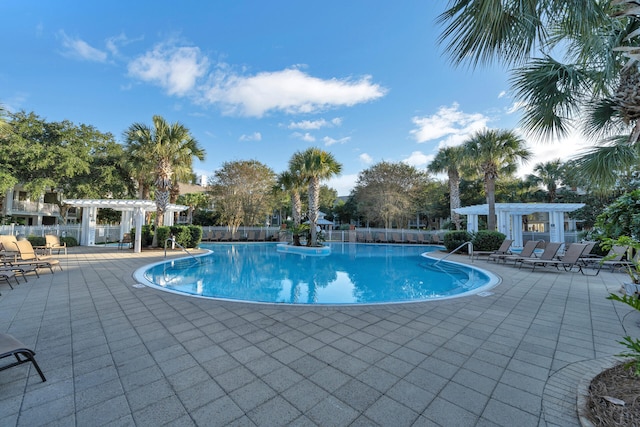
607,392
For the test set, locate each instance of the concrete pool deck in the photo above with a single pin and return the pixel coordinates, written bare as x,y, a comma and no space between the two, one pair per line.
117,354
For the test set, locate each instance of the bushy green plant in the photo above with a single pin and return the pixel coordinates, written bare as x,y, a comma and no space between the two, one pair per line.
453,239
69,240
632,344
163,233
37,240
196,235
485,240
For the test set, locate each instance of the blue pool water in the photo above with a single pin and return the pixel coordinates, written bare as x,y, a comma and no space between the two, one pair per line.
352,274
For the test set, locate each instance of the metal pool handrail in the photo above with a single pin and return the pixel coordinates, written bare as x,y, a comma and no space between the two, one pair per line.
459,247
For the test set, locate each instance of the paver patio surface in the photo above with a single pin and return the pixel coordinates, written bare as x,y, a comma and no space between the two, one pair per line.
117,354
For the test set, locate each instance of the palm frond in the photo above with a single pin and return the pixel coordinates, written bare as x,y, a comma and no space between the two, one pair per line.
602,164
552,93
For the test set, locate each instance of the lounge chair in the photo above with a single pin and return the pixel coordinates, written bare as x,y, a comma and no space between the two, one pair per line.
28,256
411,238
9,346
7,275
381,238
502,250
614,259
251,236
7,247
569,261
396,238
549,253
528,250
52,243
435,239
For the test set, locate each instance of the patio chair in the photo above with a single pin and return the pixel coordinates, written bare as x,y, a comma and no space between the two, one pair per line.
52,242
28,256
569,261
10,346
7,247
502,250
549,253
126,240
528,250
411,238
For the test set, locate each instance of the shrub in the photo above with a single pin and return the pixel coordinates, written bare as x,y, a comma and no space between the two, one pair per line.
196,235
485,240
453,239
37,240
69,240
163,233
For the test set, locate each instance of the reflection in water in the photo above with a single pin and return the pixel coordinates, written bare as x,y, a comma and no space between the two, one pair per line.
351,274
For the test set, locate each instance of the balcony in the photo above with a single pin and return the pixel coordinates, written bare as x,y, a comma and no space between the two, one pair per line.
26,207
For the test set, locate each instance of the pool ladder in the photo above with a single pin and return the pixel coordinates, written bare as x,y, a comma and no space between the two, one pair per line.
470,244
172,239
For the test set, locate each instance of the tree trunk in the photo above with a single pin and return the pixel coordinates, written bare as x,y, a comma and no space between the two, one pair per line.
490,189
454,197
314,200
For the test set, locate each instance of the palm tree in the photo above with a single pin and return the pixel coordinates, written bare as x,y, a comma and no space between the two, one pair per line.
313,166
450,160
495,152
549,174
292,184
166,146
597,78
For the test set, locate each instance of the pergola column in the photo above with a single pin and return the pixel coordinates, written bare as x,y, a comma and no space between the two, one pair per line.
89,219
556,227
138,220
472,223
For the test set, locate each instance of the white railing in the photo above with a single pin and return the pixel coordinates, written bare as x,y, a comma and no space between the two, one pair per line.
50,209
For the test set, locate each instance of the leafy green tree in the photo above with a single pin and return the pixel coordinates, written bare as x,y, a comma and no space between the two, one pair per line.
76,159
597,78
169,148
389,193
313,166
450,160
242,193
622,217
495,152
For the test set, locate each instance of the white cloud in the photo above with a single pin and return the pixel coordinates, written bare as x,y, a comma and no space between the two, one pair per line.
343,184
418,159
79,49
365,158
290,91
502,94
315,124
448,122
328,141
256,136
564,149
515,107
307,137
176,69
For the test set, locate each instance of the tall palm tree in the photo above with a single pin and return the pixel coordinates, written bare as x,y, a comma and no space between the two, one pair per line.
292,184
450,160
549,174
166,146
495,152
313,166
597,78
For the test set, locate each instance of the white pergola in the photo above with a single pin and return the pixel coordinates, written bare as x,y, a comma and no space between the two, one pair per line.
133,213
509,216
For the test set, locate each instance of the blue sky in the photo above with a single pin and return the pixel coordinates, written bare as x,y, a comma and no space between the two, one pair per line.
364,80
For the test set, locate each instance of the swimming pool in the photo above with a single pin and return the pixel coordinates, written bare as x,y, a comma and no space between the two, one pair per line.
352,274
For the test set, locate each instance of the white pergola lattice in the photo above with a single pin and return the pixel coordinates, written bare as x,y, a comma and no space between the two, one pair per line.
133,213
509,216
